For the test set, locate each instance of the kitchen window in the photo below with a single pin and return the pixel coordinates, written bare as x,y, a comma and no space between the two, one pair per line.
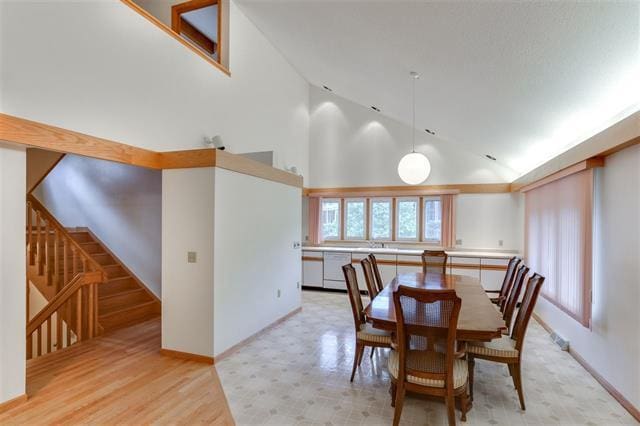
330,215
407,219
355,219
380,219
432,219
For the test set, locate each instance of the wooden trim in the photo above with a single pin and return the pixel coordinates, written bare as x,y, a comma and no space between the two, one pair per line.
576,168
312,259
187,159
196,36
176,36
408,191
13,402
45,174
620,147
187,356
249,339
180,25
635,412
240,164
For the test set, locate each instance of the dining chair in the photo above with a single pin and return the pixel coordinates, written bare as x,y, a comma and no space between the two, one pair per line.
508,349
440,373
511,303
376,272
507,282
434,261
366,335
369,278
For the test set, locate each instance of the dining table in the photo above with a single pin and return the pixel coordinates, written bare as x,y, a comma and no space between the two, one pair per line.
479,320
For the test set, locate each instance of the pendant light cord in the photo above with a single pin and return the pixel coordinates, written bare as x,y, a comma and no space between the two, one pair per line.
414,76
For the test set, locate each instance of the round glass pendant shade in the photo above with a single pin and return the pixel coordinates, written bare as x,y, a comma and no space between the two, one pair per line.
414,168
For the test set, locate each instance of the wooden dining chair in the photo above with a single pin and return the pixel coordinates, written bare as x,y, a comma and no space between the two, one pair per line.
511,303
507,282
434,261
508,349
440,373
369,278
376,272
366,335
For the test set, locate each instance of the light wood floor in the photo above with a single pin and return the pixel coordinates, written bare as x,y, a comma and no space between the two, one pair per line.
120,378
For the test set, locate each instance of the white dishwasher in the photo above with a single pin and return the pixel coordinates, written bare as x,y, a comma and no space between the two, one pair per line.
333,276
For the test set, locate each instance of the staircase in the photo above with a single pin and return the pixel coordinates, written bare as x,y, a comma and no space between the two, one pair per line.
122,299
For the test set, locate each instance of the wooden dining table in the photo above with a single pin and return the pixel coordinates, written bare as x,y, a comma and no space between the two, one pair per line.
479,320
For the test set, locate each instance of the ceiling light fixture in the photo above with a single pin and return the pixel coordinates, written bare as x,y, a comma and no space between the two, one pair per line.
414,168
431,132
376,109
327,88
490,157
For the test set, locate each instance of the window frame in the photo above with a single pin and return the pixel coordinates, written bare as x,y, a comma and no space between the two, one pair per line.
346,202
399,200
391,217
339,215
423,235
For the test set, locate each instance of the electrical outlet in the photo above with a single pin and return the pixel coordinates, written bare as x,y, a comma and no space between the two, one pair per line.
279,292
191,257
296,244
298,285
458,242
500,242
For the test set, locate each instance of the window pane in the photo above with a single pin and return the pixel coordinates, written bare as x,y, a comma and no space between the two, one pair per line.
380,220
407,219
432,219
331,219
354,226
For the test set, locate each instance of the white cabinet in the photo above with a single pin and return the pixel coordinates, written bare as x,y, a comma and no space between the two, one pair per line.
492,273
409,264
387,266
467,266
312,269
333,275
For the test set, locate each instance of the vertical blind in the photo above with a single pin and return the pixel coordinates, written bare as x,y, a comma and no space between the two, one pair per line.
558,234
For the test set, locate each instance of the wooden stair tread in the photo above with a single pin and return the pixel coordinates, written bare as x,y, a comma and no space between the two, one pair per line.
127,302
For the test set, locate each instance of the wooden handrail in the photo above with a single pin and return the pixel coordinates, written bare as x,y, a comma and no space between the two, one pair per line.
58,226
79,281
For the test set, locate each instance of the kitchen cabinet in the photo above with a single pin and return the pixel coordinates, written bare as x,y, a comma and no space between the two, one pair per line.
333,277
312,269
409,264
387,266
355,259
492,273
467,266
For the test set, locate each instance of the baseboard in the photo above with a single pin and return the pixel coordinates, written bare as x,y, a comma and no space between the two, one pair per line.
12,403
246,341
187,356
603,382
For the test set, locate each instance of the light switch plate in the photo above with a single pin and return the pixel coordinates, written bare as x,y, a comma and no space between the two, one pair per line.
500,243
296,244
191,257
458,242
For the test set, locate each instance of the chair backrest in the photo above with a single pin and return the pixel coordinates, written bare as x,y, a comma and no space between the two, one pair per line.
372,288
434,261
507,282
354,295
433,313
514,295
526,309
376,272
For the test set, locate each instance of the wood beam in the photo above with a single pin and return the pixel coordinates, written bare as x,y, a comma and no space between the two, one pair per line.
583,165
381,191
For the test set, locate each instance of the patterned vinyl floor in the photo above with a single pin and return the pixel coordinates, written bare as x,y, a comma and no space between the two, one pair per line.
298,373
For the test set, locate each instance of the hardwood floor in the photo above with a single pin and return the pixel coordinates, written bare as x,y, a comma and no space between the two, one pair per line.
120,378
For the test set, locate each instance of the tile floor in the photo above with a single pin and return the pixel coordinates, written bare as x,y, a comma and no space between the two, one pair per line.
298,373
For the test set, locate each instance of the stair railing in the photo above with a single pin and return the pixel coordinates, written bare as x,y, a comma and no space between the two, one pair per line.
69,318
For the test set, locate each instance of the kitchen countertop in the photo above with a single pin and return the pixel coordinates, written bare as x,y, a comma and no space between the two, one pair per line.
488,254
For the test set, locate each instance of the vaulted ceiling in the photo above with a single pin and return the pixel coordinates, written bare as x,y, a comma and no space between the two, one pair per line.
521,81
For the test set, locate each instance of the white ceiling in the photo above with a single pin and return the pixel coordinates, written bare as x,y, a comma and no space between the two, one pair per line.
522,81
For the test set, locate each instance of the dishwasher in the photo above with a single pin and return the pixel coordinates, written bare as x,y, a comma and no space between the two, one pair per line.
333,277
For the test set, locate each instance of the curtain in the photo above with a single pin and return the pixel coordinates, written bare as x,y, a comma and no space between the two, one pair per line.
315,236
558,234
448,229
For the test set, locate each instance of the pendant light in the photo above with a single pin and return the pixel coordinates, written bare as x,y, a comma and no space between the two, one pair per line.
414,168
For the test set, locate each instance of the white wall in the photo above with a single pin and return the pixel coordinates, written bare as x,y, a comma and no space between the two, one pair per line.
125,79
612,347
120,204
187,288
484,219
256,223
351,145
12,272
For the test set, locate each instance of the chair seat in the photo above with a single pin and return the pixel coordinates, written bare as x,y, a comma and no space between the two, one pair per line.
429,362
373,335
504,347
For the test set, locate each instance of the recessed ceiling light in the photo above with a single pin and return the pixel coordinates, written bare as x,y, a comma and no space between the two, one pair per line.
431,132
327,88
490,157
376,109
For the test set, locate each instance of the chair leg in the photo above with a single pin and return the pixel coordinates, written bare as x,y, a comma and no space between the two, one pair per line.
472,364
372,350
464,404
356,355
360,355
451,409
398,405
517,381
510,366
393,394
